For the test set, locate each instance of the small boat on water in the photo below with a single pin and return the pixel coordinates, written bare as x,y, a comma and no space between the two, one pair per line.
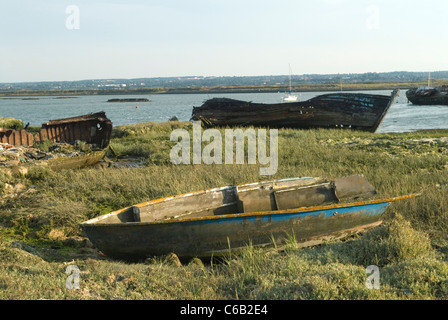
289,97
217,221
335,110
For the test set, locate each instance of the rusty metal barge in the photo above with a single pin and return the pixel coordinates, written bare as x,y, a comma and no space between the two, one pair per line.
94,129
214,222
335,110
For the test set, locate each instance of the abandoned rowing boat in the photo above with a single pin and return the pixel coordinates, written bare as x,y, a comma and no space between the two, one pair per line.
215,221
75,162
344,110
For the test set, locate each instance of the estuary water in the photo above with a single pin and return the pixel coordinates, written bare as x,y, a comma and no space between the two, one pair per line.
402,116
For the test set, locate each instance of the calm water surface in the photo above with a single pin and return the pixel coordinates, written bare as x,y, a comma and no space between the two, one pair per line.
402,116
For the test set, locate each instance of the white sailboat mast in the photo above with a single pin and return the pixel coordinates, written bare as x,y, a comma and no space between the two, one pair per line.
290,86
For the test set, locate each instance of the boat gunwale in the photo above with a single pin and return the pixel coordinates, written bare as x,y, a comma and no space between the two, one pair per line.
321,96
251,104
92,222
355,93
188,194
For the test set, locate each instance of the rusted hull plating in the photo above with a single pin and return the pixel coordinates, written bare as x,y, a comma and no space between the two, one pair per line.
93,128
343,110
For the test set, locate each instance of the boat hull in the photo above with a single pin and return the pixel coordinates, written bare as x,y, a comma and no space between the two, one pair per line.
428,97
337,110
76,162
214,236
93,128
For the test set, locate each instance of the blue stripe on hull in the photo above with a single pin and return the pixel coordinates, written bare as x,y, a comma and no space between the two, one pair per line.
207,237
368,210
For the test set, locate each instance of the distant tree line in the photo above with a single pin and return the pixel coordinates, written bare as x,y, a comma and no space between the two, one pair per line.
175,82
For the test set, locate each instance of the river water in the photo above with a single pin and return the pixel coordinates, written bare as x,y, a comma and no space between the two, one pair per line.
402,116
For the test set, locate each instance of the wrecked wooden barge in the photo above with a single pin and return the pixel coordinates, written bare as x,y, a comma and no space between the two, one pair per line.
335,110
129,100
214,222
94,129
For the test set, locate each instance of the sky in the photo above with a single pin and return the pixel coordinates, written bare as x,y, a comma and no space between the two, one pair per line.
54,40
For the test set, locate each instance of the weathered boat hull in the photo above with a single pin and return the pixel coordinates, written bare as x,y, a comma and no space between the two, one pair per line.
216,221
76,162
221,235
336,110
433,96
58,164
129,100
94,128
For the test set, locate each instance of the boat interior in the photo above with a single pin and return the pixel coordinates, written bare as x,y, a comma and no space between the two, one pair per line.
254,197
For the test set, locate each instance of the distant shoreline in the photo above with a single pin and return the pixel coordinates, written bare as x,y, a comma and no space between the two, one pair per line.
219,89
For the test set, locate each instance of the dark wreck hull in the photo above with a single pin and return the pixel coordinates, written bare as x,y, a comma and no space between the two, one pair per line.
93,128
336,110
428,97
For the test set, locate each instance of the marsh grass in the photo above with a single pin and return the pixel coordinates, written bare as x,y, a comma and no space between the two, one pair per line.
11,123
409,248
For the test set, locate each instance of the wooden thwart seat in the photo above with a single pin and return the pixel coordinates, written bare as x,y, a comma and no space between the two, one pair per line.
255,197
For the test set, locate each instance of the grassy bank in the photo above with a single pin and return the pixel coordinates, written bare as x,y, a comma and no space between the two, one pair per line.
40,213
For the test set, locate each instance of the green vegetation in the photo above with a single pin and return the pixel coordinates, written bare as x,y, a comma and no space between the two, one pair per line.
40,213
11,123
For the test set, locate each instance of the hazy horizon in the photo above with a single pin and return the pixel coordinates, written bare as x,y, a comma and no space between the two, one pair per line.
49,40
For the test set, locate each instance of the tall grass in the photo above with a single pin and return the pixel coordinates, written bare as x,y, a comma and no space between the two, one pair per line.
408,270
